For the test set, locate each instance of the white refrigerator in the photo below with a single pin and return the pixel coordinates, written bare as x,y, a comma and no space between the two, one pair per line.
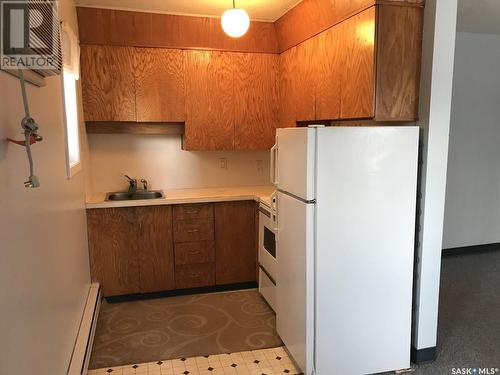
346,202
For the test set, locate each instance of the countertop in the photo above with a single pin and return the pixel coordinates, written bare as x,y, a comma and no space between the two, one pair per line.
202,195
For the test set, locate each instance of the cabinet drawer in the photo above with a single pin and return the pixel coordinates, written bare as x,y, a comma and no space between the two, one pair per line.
194,252
194,230
194,275
193,211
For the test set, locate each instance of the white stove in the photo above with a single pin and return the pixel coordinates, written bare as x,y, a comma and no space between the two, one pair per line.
267,250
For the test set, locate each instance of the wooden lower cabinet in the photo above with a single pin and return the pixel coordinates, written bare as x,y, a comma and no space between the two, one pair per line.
235,259
131,249
160,248
194,252
194,230
156,253
194,245
194,275
113,247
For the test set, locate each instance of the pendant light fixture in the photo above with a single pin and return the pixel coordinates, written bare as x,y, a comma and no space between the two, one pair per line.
235,22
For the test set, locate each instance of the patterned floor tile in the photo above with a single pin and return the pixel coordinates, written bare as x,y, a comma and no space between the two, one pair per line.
273,361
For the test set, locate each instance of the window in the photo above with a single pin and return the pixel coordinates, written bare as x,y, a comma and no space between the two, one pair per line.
72,129
70,74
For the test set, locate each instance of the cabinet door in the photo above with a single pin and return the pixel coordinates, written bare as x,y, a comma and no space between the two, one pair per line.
358,83
329,74
399,41
235,248
113,250
108,89
287,88
156,252
209,100
159,77
255,101
307,76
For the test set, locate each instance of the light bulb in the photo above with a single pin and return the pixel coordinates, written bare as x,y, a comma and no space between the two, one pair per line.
235,22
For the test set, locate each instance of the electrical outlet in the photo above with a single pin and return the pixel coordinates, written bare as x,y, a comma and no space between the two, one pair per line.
260,166
222,163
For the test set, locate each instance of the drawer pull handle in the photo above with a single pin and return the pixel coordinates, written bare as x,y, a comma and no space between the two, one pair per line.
193,230
189,212
195,275
194,252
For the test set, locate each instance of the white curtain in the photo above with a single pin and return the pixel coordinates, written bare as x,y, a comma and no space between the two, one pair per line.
70,50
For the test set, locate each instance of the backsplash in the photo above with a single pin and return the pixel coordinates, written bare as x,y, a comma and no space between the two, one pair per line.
161,160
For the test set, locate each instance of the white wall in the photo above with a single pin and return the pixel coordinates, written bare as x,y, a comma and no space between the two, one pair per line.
434,120
165,165
472,214
44,271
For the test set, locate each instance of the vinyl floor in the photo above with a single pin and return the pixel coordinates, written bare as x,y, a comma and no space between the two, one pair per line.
185,326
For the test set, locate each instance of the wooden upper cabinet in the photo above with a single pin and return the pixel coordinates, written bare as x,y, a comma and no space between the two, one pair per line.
288,88
366,67
307,78
357,79
399,35
255,100
330,64
231,100
311,17
159,77
108,87
209,99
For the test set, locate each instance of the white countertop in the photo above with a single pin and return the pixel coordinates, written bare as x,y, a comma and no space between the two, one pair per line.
201,195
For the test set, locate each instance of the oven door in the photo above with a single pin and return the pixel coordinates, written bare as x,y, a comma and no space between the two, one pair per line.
267,243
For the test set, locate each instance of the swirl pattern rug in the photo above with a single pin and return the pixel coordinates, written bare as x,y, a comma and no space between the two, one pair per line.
185,326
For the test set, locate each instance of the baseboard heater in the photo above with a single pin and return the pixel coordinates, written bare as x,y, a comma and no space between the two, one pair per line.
83,345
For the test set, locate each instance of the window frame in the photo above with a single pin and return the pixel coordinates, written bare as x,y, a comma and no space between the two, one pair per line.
71,120
72,168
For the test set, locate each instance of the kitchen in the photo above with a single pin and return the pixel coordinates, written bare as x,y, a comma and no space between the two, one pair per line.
199,240
239,176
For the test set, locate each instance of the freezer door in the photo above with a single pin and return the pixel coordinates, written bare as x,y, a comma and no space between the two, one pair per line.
295,278
293,161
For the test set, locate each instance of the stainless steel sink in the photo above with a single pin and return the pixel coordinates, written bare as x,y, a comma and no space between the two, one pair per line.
138,195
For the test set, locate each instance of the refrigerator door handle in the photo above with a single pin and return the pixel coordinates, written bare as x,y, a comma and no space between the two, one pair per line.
274,218
274,159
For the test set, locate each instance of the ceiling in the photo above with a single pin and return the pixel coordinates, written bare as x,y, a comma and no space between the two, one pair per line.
265,10
479,16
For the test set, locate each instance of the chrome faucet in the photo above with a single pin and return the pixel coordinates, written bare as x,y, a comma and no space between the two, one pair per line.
144,183
132,184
